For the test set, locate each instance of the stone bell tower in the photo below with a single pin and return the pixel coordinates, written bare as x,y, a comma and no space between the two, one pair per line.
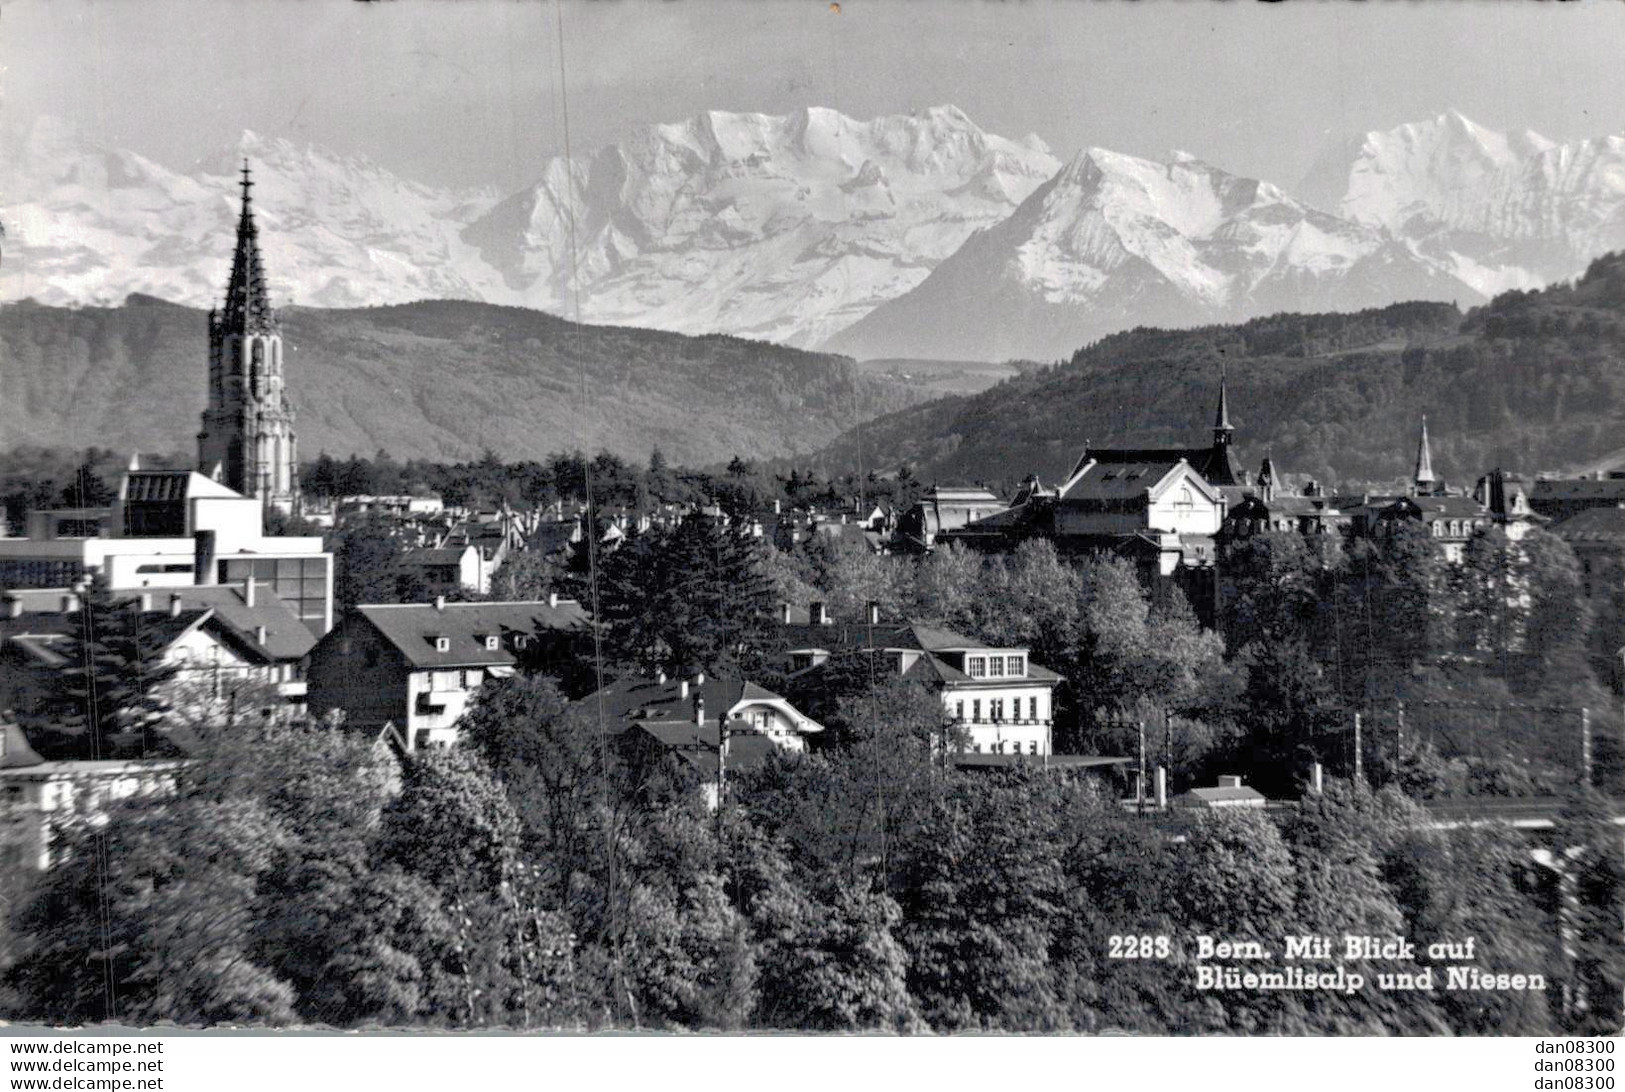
248,438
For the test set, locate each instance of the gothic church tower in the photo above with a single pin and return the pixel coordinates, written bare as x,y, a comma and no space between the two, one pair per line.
248,427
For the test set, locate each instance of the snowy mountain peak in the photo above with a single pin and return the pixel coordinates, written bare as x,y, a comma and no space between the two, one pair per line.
1114,241
1497,210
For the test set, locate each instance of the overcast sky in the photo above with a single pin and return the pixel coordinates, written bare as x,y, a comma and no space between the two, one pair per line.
470,92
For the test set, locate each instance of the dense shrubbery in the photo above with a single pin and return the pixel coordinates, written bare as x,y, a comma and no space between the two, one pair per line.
526,878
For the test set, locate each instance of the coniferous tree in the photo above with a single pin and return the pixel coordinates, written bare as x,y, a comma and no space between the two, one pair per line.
111,694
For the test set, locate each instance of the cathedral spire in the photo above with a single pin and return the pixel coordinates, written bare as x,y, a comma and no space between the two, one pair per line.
1425,481
1222,429
248,303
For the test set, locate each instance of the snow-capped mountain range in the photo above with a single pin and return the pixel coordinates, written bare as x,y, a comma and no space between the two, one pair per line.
917,235
1497,210
780,228
1114,241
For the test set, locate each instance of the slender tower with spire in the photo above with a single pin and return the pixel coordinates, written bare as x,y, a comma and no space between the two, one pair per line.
248,440
1223,432
1426,483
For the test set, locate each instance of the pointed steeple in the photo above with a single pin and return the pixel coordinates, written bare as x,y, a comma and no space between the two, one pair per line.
1222,429
1425,481
248,303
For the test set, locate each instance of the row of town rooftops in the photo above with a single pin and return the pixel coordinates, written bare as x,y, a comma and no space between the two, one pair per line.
249,616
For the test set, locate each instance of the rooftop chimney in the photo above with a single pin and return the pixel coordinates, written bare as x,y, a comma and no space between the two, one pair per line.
815,612
1162,786
682,688
203,552
259,635
439,602
70,603
874,613
144,601
14,607
784,613
552,598
248,592
699,709
1317,779
174,605
660,676
1229,781
699,678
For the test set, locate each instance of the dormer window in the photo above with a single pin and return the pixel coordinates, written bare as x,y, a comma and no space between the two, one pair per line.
976,666
492,642
995,665
441,644
1015,665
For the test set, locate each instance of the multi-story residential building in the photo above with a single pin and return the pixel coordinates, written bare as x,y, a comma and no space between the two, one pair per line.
417,665
1563,498
174,529
1002,701
703,720
1160,507
442,569
1597,536
944,508
39,797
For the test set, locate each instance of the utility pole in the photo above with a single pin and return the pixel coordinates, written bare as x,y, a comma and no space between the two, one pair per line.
1139,785
1585,746
1167,739
1359,755
1399,732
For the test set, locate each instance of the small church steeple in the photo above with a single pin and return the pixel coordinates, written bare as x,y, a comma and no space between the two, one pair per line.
1426,483
1223,431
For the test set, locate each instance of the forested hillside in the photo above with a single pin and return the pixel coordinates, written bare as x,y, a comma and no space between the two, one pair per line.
443,380
1531,381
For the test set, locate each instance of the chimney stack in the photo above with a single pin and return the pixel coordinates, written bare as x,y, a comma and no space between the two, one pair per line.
248,592
874,613
174,605
682,688
817,615
1317,779
699,708
552,598
784,613
145,602
14,607
439,602
699,678
70,603
259,635
203,554
1162,786
660,676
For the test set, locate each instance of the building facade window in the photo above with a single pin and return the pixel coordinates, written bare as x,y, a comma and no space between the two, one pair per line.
995,665
959,710
1032,708
976,710
1015,665
996,707
976,667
